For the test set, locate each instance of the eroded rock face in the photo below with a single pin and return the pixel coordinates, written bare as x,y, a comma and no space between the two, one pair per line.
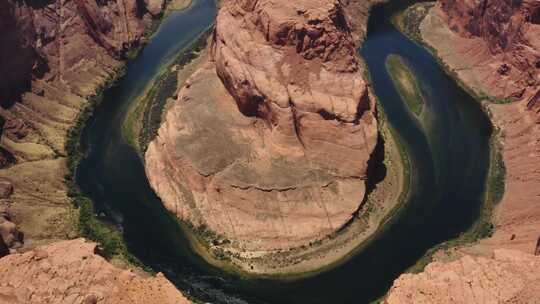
508,52
494,48
53,39
268,145
54,55
509,277
71,272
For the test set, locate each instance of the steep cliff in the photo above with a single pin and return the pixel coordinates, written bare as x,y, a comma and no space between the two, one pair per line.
268,145
493,47
55,55
72,272
506,277
52,40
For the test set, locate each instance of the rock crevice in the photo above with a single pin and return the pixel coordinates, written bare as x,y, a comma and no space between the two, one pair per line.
269,143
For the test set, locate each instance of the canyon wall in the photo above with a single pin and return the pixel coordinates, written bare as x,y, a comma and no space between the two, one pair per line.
55,55
267,147
497,44
72,272
493,47
506,277
505,35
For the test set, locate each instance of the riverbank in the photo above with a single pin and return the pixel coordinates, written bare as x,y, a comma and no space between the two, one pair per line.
48,205
410,22
221,141
36,135
108,236
516,219
387,189
145,114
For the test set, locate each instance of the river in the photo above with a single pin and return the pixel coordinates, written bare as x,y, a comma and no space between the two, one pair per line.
449,154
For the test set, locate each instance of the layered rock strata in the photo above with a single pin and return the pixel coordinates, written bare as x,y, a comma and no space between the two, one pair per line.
499,43
54,55
494,49
71,272
268,145
493,46
507,277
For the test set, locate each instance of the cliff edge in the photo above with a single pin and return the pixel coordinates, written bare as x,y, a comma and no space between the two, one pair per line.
267,147
493,48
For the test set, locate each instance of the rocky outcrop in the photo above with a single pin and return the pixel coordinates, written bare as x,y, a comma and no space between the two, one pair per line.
72,272
494,49
55,39
508,277
55,55
492,45
268,145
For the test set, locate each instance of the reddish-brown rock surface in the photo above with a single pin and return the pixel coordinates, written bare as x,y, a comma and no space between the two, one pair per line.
54,55
71,272
493,46
508,277
56,41
494,49
268,144
493,34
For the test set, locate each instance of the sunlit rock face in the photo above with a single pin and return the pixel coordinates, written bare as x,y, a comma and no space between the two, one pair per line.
507,277
494,48
54,56
52,39
268,144
508,52
72,272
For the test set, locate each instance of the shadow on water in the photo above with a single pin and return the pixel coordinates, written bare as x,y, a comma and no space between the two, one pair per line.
449,168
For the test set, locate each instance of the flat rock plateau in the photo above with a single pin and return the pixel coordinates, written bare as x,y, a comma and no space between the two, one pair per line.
71,272
54,56
266,148
493,48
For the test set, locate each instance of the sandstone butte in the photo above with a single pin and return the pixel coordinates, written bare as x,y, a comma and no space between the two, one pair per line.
494,49
55,55
267,145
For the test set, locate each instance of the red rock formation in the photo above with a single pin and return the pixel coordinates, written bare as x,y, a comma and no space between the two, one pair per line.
272,154
494,48
510,30
294,65
72,272
54,55
53,38
508,277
